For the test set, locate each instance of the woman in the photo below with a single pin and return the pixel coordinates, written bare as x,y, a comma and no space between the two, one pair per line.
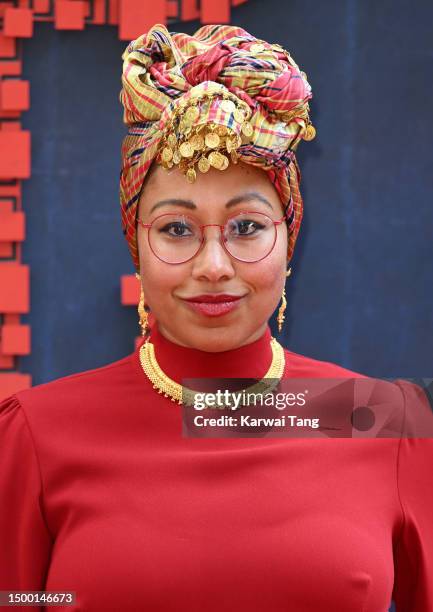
101,493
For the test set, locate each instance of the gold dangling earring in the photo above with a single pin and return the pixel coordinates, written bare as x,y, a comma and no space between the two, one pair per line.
143,315
282,308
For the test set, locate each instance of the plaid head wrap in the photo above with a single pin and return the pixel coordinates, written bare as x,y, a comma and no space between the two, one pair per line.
199,101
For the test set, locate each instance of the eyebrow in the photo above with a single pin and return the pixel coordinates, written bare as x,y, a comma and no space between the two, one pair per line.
248,196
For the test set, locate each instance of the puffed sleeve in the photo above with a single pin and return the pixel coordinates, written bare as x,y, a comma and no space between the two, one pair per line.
25,542
413,554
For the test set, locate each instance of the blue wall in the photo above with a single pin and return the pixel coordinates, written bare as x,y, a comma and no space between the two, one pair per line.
361,289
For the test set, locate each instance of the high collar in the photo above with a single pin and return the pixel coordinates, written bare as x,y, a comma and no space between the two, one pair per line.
178,362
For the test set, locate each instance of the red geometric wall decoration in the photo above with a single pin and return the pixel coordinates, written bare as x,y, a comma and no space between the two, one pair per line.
132,18
14,153
14,95
69,15
14,288
215,12
129,290
18,22
15,339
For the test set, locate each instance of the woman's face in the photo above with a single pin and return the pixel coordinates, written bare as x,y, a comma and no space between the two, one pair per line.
212,271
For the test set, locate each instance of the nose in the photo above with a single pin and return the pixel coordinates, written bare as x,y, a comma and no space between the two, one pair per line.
212,263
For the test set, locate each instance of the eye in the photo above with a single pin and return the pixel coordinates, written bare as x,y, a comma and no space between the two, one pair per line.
176,229
245,227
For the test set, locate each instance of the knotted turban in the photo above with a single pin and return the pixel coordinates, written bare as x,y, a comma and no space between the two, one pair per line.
218,96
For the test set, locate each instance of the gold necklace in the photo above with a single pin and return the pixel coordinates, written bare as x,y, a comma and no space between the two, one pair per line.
183,395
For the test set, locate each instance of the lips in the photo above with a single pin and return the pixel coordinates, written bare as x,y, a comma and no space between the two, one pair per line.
214,297
214,304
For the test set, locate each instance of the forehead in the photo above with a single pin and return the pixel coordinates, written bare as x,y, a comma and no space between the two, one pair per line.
213,188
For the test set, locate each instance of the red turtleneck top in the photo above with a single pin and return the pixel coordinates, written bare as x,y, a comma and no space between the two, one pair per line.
102,495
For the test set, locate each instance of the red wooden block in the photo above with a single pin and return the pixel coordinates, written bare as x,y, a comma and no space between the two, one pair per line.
14,154
12,68
99,12
18,22
11,126
69,15
189,10
41,6
129,290
6,250
113,12
215,11
14,287
12,226
11,190
15,339
11,318
171,8
137,16
7,362
9,114
7,46
4,6
6,206
12,382
15,95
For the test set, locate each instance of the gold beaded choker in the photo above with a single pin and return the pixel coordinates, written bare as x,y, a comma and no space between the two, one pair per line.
182,395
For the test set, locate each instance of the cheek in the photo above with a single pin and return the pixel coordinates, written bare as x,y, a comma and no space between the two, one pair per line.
158,282
269,274
158,278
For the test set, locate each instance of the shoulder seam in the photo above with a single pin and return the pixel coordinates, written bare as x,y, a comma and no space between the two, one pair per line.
43,514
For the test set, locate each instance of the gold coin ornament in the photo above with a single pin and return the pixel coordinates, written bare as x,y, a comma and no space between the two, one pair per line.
234,157
247,129
203,164
172,141
310,132
192,114
239,115
191,175
222,130
167,154
231,144
177,157
186,150
225,162
228,106
197,142
216,160
257,47
212,140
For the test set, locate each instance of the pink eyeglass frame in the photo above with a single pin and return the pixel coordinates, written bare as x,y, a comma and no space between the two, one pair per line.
240,212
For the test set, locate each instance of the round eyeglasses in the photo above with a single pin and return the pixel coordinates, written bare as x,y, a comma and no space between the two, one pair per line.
247,236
